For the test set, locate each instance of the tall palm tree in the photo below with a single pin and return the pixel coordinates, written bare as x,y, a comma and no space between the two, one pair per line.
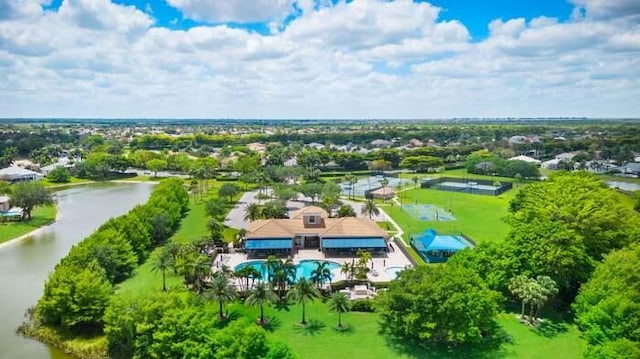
348,270
220,291
252,211
261,295
384,182
321,274
351,180
370,209
243,276
162,262
302,292
339,303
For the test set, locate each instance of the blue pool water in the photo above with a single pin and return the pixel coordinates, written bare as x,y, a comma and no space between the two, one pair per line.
303,268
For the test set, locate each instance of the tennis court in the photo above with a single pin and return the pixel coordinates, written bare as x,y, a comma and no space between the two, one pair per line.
469,186
368,183
427,212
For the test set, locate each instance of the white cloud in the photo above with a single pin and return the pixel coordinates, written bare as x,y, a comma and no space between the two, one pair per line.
608,9
366,59
234,10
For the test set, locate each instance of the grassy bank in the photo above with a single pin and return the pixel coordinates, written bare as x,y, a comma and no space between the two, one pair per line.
41,216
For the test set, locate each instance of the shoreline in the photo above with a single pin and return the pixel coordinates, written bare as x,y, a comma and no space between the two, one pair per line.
33,232
58,215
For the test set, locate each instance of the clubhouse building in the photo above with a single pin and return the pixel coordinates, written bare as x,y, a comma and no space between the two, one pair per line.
311,228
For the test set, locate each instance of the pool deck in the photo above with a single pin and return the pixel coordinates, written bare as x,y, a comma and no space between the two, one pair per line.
393,259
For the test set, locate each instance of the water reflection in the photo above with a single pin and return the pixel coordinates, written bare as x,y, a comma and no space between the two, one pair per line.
24,265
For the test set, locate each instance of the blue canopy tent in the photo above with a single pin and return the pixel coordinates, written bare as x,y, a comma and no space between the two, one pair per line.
437,248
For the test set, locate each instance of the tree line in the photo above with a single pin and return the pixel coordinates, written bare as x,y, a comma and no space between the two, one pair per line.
78,291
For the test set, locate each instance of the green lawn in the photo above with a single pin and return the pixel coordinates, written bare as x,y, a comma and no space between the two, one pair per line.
558,340
477,216
364,339
73,181
40,216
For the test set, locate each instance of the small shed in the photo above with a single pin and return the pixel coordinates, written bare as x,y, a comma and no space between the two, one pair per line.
383,193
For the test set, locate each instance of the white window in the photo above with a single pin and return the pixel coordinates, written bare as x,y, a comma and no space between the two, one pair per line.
312,219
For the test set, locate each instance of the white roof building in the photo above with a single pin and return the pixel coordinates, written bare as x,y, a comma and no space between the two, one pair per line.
17,174
525,159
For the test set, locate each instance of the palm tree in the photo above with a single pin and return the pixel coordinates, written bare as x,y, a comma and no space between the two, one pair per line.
517,287
347,269
216,227
252,211
351,180
370,209
220,291
195,269
172,249
339,303
384,182
261,295
548,288
243,275
321,274
162,263
302,291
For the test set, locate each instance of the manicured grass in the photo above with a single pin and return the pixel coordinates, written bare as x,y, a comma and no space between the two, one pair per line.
558,340
40,216
478,216
364,340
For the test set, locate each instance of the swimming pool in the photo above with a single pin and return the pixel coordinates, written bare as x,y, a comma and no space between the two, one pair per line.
392,272
303,268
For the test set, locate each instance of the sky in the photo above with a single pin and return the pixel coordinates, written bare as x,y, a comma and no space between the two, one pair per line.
325,59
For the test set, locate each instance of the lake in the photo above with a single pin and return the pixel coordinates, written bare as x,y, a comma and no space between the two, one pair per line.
25,265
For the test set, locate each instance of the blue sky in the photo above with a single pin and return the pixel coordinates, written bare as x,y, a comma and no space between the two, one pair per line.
319,58
475,15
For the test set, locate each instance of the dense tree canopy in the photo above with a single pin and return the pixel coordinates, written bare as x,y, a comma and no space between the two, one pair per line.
75,297
561,228
59,175
441,305
167,326
608,306
78,290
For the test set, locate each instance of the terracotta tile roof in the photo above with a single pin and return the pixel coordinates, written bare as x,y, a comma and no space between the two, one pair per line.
269,228
334,227
310,210
384,191
353,227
